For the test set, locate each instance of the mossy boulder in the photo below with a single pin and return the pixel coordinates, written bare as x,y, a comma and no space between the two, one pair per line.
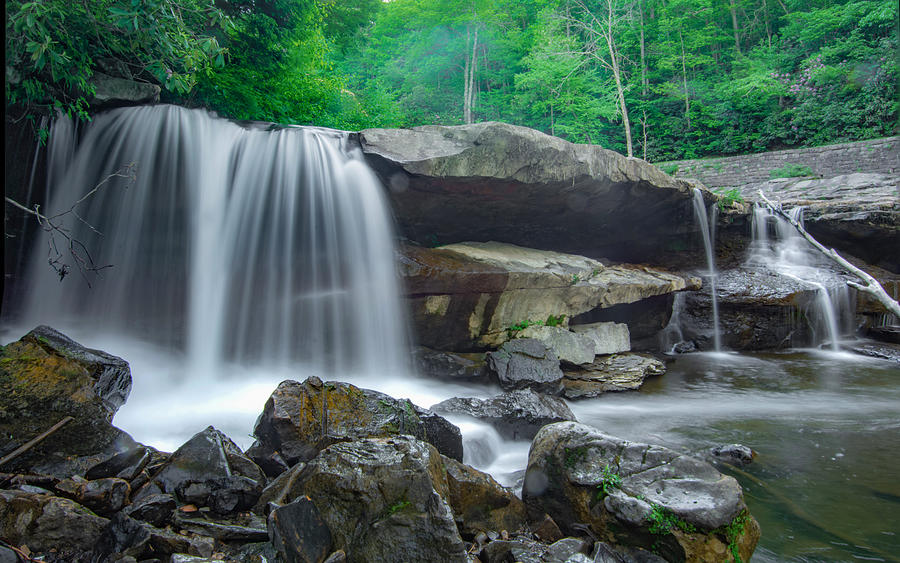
301,419
479,503
46,377
638,494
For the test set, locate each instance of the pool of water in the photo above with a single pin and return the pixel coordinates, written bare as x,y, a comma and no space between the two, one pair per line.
825,485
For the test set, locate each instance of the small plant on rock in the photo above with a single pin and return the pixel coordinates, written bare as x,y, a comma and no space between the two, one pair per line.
610,480
791,171
664,521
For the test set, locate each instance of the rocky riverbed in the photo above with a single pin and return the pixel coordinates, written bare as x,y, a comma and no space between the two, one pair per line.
337,473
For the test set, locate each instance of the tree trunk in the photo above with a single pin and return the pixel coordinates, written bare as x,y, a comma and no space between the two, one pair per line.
644,84
469,72
734,26
618,77
687,98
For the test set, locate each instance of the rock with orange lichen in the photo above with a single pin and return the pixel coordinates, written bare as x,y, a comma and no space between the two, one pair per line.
46,377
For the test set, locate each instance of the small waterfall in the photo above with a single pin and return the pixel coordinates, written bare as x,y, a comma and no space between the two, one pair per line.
789,254
707,227
234,244
671,338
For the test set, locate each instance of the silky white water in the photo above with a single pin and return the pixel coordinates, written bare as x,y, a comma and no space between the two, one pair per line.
707,225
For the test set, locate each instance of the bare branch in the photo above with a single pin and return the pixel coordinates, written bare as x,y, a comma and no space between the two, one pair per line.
870,285
55,226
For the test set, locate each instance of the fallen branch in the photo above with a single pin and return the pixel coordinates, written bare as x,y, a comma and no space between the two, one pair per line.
35,441
870,285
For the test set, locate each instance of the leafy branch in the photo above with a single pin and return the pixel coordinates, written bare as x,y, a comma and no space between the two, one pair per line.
62,246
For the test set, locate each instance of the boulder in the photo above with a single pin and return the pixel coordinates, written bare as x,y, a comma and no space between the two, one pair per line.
45,522
734,454
110,91
607,337
479,503
301,419
127,537
526,363
619,372
516,415
525,550
126,465
383,499
104,496
470,296
636,494
450,366
570,347
494,181
208,462
298,532
46,377
156,510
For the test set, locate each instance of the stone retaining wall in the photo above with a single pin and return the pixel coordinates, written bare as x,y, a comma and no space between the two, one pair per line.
876,155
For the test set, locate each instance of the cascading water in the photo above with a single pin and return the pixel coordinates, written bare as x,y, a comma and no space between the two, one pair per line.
707,224
789,254
277,250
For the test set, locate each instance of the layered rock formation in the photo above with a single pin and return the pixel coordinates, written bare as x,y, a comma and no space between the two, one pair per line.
500,182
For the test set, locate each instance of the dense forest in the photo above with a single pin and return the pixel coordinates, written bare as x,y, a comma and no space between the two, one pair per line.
659,79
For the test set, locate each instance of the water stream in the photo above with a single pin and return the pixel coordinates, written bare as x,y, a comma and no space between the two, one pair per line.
707,226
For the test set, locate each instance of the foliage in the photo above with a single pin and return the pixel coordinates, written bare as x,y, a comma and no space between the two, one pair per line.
791,171
733,532
728,198
53,48
664,521
554,320
670,169
610,480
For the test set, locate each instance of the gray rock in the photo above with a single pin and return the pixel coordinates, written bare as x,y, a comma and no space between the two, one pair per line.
267,459
608,337
45,522
448,365
480,505
298,532
577,475
383,500
526,363
568,346
494,181
619,372
103,496
126,465
301,419
247,530
516,415
735,454
207,456
111,91
156,510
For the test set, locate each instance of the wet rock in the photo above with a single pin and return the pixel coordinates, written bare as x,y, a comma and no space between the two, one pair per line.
126,465
468,296
298,532
207,456
479,503
607,337
632,491
123,536
526,363
267,459
441,433
735,454
45,377
156,510
493,181
449,365
885,333
111,91
546,530
243,529
337,557
619,372
880,350
383,500
104,496
278,491
571,347
516,415
301,419
45,522
524,550
234,493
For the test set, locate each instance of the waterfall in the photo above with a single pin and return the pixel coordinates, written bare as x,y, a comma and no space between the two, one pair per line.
786,252
707,226
233,244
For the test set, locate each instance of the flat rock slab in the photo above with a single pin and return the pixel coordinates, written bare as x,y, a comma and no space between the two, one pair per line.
619,372
468,296
494,181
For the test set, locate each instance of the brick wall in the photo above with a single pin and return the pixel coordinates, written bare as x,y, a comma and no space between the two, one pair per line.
876,155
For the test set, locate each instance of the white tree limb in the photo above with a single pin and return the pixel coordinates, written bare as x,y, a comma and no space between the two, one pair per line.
870,285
